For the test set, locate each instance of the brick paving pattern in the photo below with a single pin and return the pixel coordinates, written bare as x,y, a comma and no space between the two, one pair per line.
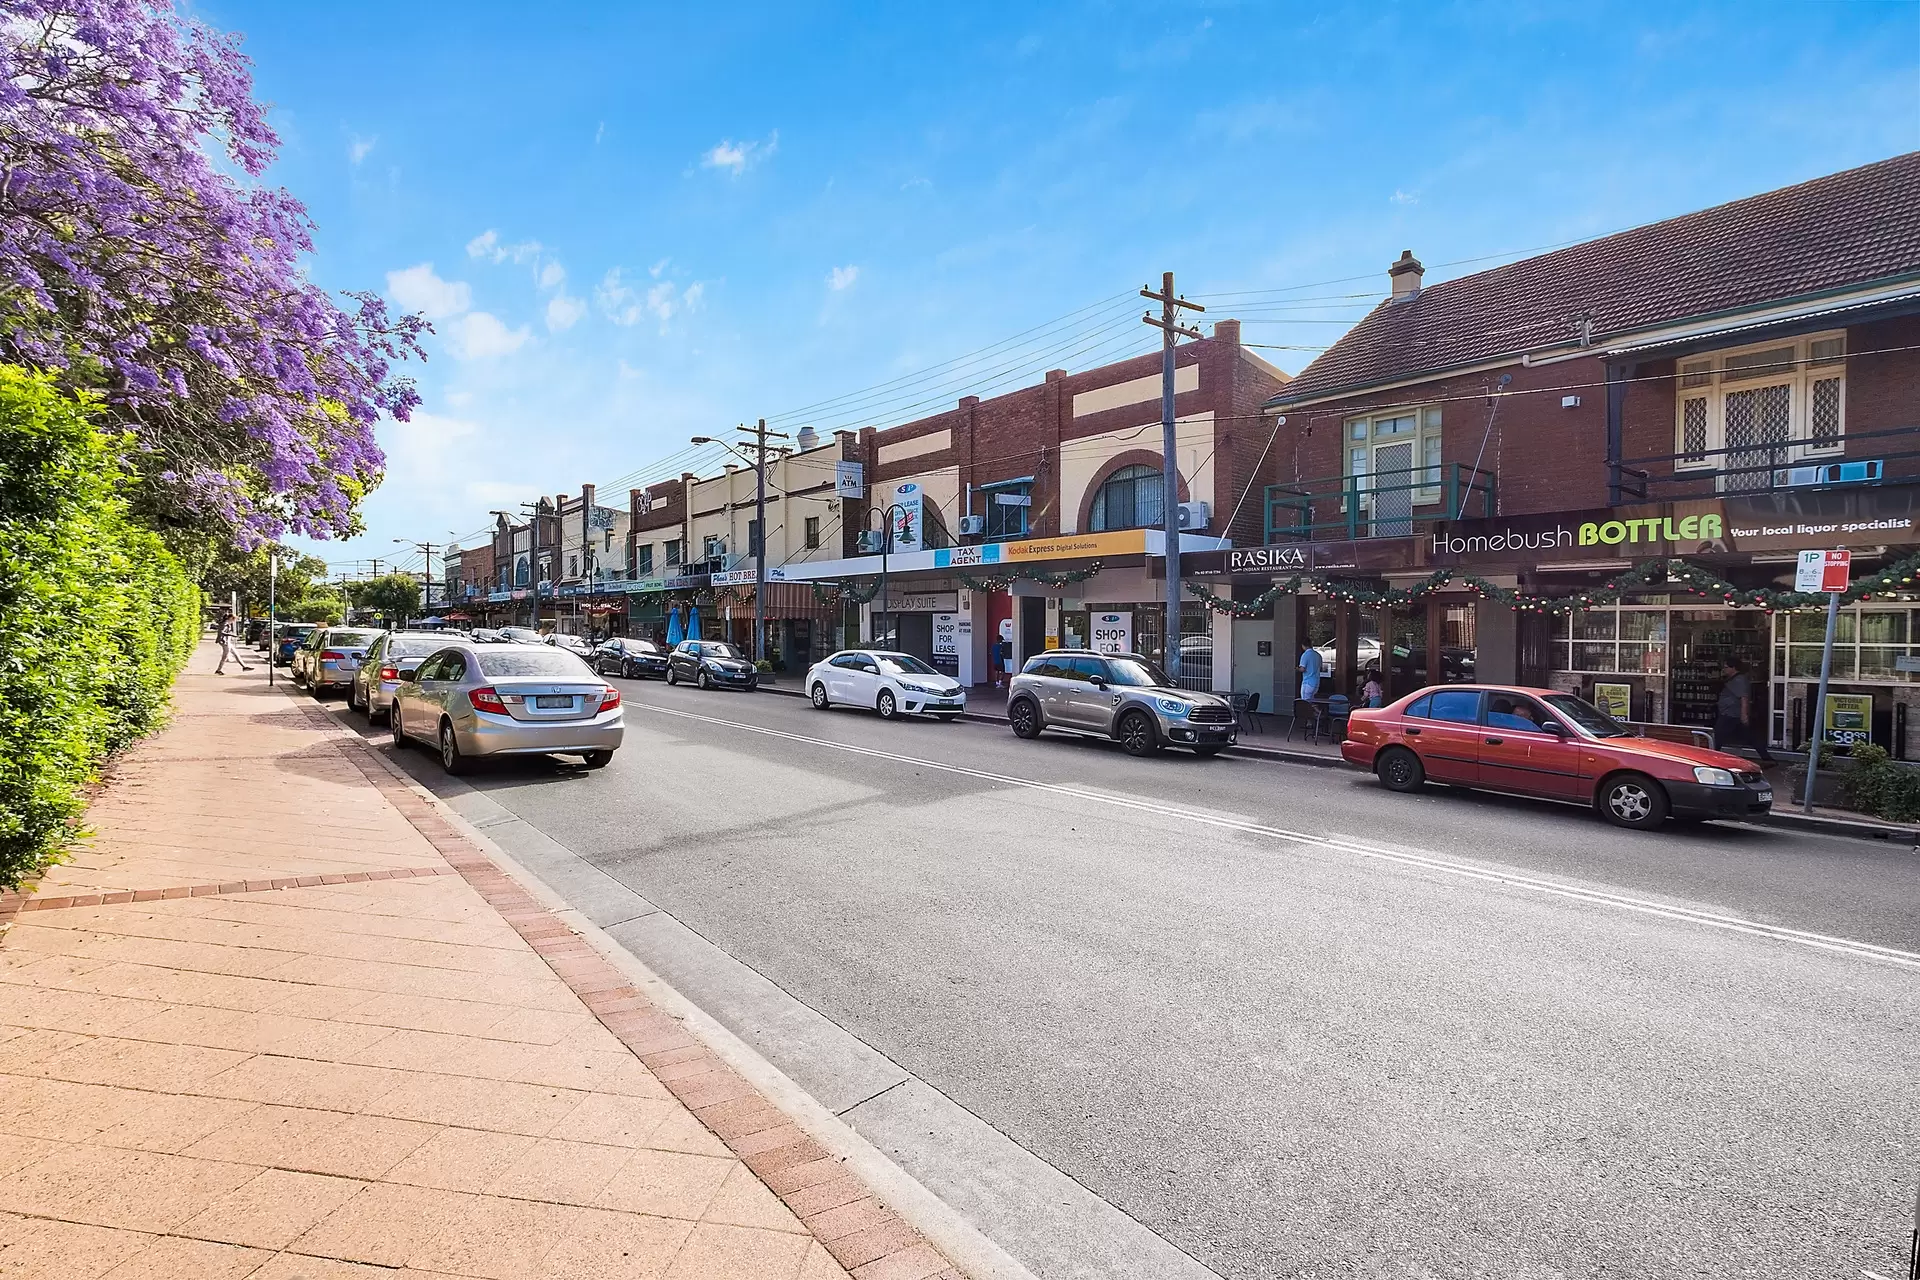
281,1020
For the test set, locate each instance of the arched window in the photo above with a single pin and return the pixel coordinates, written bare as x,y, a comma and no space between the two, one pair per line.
1130,499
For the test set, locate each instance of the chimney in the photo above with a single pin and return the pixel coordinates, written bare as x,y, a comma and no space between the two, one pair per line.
1405,275
1227,331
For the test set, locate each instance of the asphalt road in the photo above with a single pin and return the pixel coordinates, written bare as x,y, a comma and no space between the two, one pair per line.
1279,1019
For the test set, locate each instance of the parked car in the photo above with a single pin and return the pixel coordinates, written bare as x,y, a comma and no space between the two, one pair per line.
255,632
1122,696
521,635
291,636
328,659
631,658
390,661
1555,746
711,664
894,684
572,644
473,701
487,635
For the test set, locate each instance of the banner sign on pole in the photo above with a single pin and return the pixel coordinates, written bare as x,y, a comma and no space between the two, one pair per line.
1823,571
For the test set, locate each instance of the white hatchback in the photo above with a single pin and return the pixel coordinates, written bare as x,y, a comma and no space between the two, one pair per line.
894,684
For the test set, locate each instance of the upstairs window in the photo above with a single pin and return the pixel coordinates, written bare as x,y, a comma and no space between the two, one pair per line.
813,532
1008,506
1746,411
1393,464
643,559
675,553
1130,499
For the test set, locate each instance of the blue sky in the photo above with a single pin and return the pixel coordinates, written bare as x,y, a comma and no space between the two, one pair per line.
637,223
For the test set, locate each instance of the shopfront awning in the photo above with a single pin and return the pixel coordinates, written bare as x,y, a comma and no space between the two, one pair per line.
1027,551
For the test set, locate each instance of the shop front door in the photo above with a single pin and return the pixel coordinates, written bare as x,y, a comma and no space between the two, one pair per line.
915,635
1032,626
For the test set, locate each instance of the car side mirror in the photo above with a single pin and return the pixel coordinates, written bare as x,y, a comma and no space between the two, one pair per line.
1555,728
1100,684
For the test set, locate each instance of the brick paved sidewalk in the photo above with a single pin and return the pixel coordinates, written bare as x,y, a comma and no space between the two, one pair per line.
281,1020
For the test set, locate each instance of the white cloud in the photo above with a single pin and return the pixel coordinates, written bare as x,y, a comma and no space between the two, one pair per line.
359,148
419,446
1405,197
481,336
658,267
599,133
564,312
738,157
417,288
626,305
552,274
487,245
842,278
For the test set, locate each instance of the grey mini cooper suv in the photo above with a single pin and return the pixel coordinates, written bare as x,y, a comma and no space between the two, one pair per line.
1122,696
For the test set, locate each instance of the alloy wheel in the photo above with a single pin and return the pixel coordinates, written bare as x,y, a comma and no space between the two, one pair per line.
820,702
885,705
1136,735
1025,720
1630,802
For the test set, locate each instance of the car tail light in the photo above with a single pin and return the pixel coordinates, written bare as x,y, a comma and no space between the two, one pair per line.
610,699
389,673
487,698
332,655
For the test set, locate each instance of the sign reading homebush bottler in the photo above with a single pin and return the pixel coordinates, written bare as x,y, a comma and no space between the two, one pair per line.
1790,520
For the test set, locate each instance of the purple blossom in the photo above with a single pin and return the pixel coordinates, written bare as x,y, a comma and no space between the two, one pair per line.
141,257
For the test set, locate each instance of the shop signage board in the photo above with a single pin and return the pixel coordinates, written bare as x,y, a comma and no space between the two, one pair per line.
747,577
905,512
1849,719
1614,699
849,479
922,601
1071,546
946,635
1112,632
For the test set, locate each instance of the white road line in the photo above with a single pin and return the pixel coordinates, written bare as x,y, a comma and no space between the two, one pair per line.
1343,844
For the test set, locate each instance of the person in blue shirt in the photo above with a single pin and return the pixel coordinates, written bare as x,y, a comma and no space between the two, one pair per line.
1310,670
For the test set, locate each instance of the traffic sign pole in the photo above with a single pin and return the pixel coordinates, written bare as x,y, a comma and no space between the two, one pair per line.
1822,571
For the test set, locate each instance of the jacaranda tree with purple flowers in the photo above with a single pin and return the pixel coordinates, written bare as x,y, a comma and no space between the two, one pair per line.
141,258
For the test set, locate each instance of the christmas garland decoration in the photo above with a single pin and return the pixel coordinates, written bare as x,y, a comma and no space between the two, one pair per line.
1895,581
827,594
1001,582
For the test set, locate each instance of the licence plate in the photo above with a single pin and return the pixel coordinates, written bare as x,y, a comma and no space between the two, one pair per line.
553,700
1766,796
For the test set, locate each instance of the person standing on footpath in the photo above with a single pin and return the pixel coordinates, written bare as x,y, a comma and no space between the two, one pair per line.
1310,670
1733,716
226,633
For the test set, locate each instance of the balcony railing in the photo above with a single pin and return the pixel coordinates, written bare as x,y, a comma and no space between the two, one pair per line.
1383,504
1768,466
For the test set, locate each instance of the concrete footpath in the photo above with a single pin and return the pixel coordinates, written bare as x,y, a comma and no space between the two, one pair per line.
279,1019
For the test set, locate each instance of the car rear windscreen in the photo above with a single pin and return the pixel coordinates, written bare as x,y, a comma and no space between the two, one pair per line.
415,648
352,639
555,664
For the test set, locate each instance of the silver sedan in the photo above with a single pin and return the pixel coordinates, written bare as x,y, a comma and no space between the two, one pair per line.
473,700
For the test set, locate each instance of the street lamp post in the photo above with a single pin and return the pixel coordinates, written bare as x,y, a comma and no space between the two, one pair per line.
886,547
758,461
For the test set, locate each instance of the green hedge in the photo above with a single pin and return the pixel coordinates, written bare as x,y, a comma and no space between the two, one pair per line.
96,618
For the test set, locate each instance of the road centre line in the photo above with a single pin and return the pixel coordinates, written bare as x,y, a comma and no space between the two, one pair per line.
1342,844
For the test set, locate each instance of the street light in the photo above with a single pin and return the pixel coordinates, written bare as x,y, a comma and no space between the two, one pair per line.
886,547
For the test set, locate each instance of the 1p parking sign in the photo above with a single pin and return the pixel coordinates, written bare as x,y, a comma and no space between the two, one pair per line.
1823,571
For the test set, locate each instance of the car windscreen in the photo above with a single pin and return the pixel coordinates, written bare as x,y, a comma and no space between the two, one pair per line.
642,646
408,647
720,651
554,664
1587,716
520,635
1136,671
351,639
905,664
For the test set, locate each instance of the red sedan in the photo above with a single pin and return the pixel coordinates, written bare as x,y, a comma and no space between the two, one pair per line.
1535,742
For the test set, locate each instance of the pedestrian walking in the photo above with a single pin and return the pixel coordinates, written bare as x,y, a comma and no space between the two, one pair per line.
1733,715
226,633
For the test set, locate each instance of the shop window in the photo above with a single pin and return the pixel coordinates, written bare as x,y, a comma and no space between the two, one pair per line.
813,533
1757,408
1130,499
1393,462
1612,640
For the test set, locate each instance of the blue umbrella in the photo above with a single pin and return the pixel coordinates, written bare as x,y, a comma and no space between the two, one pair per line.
693,623
674,634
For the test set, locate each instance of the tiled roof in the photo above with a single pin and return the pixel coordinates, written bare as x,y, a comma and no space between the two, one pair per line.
1843,230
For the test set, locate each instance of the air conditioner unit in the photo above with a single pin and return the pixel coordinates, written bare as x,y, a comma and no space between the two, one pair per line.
972,526
871,542
1863,472
1194,515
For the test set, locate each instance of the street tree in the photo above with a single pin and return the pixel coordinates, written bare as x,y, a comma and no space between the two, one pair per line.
395,596
142,259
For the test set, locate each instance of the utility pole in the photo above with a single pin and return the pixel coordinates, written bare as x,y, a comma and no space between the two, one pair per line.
760,435
426,575
273,627
1171,331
